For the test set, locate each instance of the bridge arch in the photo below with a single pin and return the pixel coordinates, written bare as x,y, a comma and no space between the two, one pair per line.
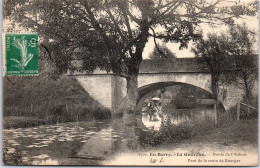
201,80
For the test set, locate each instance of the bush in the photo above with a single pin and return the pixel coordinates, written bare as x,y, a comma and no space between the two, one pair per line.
168,133
100,113
15,157
77,113
21,122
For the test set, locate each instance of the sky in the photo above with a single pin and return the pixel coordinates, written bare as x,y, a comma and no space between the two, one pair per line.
251,22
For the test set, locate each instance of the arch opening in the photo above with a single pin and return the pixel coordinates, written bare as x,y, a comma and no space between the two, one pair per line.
144,90
178,114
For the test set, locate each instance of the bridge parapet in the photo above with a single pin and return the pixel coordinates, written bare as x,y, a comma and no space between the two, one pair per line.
159,66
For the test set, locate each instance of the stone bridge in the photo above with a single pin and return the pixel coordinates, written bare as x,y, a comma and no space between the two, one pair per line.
110,90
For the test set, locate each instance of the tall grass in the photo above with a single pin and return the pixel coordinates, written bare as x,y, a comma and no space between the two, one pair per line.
170,133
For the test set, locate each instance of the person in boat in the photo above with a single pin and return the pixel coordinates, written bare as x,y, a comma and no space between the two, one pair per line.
159,109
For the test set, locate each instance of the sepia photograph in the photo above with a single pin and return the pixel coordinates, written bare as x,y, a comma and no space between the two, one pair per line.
130,82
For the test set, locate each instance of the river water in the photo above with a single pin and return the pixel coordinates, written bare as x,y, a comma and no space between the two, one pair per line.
84,143
180,116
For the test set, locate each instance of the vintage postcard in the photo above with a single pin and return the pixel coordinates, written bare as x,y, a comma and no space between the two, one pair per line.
130,82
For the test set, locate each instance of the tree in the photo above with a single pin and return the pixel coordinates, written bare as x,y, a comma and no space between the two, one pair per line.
213,51
247,73
244,60
162,52
230,58
111,34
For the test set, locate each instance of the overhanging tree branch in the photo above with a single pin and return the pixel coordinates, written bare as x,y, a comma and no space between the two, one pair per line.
154,39
114,20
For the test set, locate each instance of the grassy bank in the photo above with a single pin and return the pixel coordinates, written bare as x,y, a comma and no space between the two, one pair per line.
40,97
229,133
21,122
243,132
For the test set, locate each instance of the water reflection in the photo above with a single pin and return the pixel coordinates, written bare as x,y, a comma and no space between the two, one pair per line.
99,145
179,116
154,123
64,143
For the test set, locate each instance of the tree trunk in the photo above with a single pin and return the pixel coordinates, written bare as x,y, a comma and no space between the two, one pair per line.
214,88
130,141
238,110
132,91
248,108
248,96
131,100
129,118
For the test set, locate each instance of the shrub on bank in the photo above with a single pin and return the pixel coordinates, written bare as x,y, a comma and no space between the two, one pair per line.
77,113
21,122
15,156
59,114
168,133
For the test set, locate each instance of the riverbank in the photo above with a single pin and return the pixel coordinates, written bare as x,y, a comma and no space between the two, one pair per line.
21,122
40,98
238,137
15,122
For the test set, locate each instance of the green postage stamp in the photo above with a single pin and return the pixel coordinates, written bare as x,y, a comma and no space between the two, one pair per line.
21,51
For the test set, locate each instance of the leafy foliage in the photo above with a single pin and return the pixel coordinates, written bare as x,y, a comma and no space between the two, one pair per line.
244,61
230,58
170,133
163,53
167,134
213,51
112,34
15,157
